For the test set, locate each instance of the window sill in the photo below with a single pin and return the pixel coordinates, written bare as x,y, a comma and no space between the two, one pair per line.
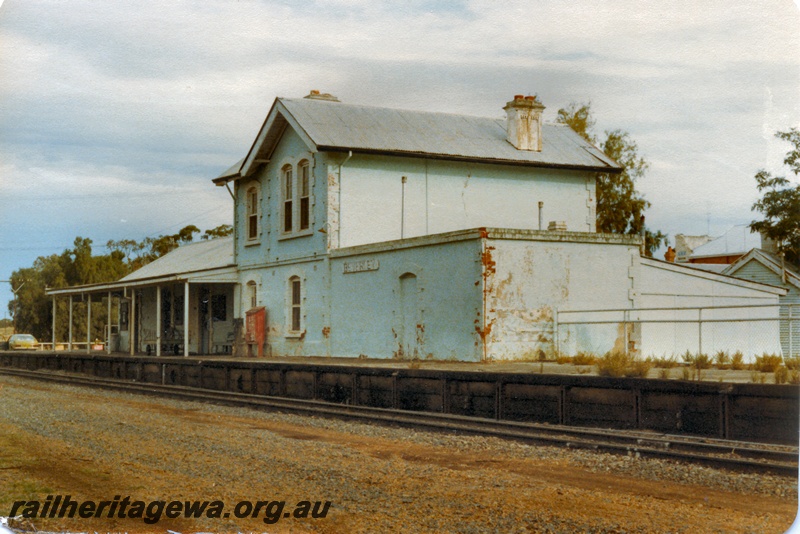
252,243
295,335
302,233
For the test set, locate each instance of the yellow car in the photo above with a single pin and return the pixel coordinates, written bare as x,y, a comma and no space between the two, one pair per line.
22,341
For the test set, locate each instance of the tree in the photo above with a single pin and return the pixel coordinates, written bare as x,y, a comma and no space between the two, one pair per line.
32,310
620,207
222,230
137,254
780,203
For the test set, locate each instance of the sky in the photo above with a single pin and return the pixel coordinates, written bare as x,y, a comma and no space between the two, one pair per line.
115,116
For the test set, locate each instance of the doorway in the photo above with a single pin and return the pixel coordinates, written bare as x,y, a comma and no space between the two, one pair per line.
407,331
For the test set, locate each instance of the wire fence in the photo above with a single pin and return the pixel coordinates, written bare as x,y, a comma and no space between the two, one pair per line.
752,330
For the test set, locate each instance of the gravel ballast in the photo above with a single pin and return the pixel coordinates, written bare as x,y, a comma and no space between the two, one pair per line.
95,445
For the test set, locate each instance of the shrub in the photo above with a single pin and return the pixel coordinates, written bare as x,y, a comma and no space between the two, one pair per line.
613,364
737,361
696,363
584,358
664,373
639,368
781,375
702,361
617,364
665,362
563,359
767,363
794,377
722,359
758,378
793,364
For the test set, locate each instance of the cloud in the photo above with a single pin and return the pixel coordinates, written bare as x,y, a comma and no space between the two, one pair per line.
114,110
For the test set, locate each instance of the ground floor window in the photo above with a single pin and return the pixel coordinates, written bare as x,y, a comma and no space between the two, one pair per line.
296,307
252,292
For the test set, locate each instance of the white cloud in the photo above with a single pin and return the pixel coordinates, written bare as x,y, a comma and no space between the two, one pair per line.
151,99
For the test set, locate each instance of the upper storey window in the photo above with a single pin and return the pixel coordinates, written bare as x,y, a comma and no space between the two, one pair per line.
252,213
296,198
288,198
303,191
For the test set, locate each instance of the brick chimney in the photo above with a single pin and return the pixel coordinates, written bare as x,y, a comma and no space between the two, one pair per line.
524,126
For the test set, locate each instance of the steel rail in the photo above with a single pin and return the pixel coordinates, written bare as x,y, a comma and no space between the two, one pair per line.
727,454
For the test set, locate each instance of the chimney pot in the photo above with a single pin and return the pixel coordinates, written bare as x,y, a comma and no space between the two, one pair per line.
519,97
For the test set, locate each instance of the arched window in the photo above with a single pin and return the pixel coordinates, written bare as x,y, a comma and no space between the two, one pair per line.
295,308
252,213
287,197
303,190
252,294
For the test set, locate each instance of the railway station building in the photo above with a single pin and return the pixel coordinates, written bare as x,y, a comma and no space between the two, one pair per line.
375,232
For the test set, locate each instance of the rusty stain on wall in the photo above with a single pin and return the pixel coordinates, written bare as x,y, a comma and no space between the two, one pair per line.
488,270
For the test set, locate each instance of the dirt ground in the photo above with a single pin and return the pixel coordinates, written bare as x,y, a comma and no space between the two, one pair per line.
92,445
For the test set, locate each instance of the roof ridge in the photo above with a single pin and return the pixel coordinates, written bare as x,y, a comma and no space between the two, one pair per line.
403,110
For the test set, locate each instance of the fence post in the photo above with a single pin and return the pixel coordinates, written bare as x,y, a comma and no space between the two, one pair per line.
699,331
625,328
556,342
791,353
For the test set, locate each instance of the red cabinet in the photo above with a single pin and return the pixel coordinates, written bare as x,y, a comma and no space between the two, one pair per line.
256,330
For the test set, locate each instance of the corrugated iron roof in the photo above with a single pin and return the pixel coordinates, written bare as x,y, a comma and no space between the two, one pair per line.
737,240
344,126
202,262
334,126
201,256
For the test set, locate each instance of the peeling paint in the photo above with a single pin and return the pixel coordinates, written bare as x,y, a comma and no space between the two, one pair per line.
326,331
489,265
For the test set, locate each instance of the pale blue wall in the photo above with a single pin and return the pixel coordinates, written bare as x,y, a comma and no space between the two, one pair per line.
367,309
274,295
273,245
362,312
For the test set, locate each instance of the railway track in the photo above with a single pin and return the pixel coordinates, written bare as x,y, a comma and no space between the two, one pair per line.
726,454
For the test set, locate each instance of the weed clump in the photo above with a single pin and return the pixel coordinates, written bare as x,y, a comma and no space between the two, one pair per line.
665,362
695,363
758,378
584,358
767,363
617,364
793,363
722,359
737,361
781,375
